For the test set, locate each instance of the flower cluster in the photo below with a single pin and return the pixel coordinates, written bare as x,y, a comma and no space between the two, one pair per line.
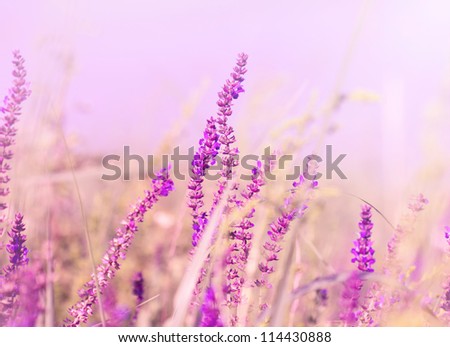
363,251
11,110
118,247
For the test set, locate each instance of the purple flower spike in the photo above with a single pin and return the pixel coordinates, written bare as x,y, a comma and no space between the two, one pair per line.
16,247
11,110
117,250
14,277
237,256
230,91
279,228
276,233
363,251
217,138
210,312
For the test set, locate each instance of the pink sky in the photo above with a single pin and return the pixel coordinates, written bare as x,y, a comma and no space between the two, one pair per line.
136,62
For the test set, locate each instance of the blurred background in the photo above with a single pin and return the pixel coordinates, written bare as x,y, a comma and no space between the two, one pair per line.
119,68
372,78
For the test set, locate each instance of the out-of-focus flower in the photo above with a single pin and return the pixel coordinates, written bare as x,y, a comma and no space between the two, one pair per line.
417,203
447,235
276,233
406,225
363,251
321,298
18,252
20,294
350,312
118,247
209,310
280,227
445,305
116,314
8,293
138,287
138,291
28,307
374,302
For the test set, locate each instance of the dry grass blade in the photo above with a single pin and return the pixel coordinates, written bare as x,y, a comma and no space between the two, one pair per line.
377,210
86,229
148,300
281,299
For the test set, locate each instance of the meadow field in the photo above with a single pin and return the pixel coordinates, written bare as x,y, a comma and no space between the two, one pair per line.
230,168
